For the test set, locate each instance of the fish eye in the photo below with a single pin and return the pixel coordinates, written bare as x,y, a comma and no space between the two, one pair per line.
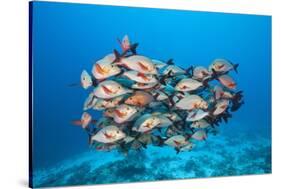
119,87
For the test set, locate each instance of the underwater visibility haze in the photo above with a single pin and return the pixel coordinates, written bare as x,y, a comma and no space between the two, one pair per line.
170,94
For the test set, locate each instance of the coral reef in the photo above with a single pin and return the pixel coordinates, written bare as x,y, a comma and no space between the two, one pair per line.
228,158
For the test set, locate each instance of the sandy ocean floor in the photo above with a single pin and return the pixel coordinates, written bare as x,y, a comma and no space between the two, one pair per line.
218,156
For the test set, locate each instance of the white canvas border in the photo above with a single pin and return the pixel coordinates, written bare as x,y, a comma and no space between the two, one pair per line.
14,93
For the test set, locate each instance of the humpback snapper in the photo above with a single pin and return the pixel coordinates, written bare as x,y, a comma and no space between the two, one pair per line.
110,89
146,101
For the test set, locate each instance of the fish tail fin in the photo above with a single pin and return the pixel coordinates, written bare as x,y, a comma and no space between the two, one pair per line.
225,118
90,141
121,73
137,136
237,96
236,105
177,150
211,115
170,62
235,66
163,79
189,70
95,82
94,121
171,100
215,73
133,48
192,130
119,41
123,148
237,100
160,141
188,136
206,83
143,144
155,96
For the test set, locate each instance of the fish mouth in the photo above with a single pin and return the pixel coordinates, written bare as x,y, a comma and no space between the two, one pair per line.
101,70
120,114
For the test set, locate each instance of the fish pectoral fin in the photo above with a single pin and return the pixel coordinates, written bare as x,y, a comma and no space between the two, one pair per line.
106,90
107,135
144,67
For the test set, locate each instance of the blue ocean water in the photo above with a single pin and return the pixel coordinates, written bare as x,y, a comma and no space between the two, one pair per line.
68,38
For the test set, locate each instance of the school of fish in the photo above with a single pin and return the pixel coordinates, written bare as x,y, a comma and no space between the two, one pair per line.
146,101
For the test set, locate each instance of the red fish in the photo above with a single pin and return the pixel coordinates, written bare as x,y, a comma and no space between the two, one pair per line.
227,81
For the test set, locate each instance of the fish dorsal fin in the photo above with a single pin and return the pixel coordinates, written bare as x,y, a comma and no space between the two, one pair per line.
133,48
170,62
117,56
